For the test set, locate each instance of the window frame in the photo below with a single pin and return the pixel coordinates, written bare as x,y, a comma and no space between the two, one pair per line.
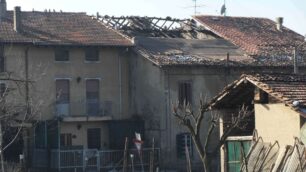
91,60
60,50
56,94
180,152
98,95
186,92
66,139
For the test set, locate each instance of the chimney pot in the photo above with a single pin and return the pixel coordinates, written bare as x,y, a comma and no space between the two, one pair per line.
279,23
17,19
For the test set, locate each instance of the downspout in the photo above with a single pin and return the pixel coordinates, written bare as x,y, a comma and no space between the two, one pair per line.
120,84
27,78
26,63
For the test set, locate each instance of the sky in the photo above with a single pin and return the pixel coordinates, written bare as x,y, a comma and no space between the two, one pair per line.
293,11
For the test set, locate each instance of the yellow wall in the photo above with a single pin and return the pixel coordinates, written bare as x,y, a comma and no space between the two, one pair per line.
44,70
277,122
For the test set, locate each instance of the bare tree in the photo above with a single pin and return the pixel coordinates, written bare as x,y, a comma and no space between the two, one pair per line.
194,121
17,110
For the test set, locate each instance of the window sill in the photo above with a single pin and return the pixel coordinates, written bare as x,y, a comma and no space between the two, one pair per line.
64,62
91,62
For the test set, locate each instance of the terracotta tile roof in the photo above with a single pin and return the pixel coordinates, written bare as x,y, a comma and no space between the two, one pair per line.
256,36
286,88
60,28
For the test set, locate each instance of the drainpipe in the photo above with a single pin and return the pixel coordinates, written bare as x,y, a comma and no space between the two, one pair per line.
295,63
120,84
26,59
120,78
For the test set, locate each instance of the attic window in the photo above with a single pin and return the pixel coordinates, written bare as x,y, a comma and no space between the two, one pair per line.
61,54
91,54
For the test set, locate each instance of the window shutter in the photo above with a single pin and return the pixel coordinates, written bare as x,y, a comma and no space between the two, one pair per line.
1,58
183,140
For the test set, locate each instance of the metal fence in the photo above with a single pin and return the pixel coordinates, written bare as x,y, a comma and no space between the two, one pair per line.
96,160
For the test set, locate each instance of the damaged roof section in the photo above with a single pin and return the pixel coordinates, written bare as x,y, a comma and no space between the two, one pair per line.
213,41
177,51
155,27
259,37
286,88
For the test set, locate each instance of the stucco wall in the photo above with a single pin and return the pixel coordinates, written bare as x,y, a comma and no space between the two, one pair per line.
277,122
154,90
44,70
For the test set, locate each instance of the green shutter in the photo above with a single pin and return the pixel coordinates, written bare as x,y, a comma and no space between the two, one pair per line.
234,157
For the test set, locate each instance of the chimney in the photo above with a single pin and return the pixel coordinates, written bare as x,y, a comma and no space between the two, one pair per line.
279,23
2,9
17,19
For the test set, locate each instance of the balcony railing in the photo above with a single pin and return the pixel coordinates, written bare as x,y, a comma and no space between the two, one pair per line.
84,108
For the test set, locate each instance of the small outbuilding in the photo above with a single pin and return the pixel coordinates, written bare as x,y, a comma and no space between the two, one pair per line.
278,106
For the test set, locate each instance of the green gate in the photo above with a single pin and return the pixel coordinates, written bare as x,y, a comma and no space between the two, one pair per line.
234,153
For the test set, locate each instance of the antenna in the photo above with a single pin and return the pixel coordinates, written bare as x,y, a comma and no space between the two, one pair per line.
223,9
195,6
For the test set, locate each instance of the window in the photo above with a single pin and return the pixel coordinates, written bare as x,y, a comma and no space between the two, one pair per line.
94,138
184,94
184,141
62,97
1,59
92,97
61,54
91,54
66,139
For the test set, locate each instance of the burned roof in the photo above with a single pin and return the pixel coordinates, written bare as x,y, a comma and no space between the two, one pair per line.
171,42
178,51
167,27
286,88
59,28
258,37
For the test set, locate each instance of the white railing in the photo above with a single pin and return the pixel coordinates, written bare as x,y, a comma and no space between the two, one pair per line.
97,160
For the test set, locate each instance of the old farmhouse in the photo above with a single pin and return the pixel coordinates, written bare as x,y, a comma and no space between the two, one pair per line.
179,60
99,79
277,103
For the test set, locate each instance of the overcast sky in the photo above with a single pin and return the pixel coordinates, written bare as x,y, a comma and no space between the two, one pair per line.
293,11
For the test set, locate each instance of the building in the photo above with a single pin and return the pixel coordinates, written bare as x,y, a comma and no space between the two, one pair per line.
100,79
277,103
178,60
80,73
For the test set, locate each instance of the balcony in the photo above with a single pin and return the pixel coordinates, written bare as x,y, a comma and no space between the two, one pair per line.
84,111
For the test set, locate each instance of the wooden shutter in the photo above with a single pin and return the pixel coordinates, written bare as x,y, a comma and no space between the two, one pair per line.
185,93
